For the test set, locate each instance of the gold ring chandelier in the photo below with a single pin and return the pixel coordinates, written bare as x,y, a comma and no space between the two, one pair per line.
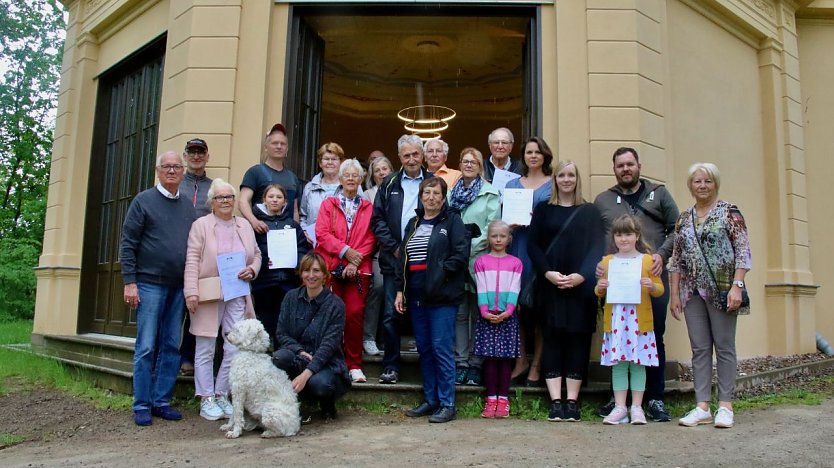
427,121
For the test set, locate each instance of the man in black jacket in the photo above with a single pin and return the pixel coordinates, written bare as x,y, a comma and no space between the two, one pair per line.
395,204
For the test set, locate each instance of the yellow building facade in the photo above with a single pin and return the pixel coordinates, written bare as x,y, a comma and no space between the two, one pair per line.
746,84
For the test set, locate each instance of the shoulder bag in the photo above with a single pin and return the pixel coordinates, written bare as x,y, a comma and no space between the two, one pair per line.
527,296
722,295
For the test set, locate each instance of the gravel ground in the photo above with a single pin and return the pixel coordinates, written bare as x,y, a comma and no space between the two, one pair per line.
61,430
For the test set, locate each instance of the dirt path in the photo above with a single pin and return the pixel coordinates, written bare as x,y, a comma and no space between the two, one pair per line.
62,431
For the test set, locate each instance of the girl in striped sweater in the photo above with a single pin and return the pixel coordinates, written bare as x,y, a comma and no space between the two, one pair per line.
498,278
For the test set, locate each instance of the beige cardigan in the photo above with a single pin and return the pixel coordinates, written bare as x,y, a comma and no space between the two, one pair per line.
200,262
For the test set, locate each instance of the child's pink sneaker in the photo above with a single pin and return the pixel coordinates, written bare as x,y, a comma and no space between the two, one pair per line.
503,409
489,407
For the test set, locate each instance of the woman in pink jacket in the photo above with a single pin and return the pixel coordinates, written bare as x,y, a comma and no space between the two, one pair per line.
217,233
345,240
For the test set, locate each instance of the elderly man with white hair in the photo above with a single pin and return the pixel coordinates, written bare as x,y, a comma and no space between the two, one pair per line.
396,202
437,151
501,147
152,254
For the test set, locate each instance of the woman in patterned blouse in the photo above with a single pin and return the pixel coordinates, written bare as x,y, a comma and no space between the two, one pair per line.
710,259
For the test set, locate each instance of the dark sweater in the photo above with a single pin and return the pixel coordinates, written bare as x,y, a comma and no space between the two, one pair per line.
202,184
316,326
278,276
154,239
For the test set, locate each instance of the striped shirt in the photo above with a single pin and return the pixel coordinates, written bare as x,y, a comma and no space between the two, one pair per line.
418,247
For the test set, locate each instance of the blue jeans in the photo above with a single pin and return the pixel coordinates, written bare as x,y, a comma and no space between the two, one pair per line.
156,358
434,331
390,326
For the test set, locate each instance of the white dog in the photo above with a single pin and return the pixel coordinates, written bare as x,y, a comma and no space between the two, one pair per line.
259,387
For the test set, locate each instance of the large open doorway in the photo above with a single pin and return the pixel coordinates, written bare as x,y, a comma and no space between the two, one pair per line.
351,69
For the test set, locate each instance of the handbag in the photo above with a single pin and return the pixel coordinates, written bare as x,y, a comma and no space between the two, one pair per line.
722,295
209,289
528,293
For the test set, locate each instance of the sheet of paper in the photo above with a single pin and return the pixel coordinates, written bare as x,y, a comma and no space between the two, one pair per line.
501,177
282,248
229,265
310,230
518,206
624,280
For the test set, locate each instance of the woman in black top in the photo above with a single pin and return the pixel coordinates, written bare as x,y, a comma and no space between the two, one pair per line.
310,330
566,242
430,278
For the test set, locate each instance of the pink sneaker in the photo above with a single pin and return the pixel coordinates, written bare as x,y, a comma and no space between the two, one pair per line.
503,409
618,415
638,416
489,408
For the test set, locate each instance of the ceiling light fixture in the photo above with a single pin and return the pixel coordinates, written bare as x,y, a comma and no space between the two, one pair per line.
426,120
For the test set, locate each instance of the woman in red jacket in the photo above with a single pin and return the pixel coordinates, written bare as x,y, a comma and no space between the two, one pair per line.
345,240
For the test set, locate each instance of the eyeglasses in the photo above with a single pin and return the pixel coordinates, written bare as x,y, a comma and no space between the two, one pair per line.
171,167
224,198
469,162
196,152
351,175
501,143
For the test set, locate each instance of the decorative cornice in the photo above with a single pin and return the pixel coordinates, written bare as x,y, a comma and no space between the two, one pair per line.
789,289
766,7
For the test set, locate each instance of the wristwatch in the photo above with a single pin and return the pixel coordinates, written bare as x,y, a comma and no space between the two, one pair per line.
739,283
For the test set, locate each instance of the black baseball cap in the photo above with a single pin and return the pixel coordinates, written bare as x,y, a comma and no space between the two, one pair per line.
196,143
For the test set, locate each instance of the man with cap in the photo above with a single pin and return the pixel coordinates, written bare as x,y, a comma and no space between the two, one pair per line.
271,171
194,187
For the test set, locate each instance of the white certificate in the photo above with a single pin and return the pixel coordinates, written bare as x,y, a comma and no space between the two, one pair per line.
624,280
229,265
501,177
310,230
282,248
518,206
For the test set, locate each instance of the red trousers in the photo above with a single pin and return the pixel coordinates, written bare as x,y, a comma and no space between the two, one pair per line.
348,291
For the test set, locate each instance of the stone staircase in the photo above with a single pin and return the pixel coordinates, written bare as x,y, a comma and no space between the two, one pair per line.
108,361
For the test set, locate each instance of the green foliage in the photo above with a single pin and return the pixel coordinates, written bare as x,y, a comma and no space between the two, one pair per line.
31,43
17,278
791,396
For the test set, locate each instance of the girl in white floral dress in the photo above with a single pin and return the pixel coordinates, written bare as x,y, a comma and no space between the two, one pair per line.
628,343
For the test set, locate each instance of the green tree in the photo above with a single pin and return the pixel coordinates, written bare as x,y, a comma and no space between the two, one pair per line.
31,43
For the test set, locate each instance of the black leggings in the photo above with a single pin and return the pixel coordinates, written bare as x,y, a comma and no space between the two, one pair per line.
566,354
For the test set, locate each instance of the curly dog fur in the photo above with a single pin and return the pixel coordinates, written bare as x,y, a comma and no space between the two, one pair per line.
258,387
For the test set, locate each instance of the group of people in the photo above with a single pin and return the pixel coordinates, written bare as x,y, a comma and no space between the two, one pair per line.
488,302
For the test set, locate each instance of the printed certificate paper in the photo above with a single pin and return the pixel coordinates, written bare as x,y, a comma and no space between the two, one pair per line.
518,206
624,280
282,248
501,177
229,265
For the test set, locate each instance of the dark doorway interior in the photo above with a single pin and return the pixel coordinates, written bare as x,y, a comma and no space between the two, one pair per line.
376,61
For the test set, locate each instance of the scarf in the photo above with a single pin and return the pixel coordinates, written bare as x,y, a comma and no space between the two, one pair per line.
461,196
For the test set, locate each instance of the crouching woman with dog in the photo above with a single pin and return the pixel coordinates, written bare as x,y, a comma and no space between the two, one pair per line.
309,335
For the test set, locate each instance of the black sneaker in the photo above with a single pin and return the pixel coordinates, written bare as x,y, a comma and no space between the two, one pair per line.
657,411
557,411
389,376
606,408
473,377
443,415
460,375
572,411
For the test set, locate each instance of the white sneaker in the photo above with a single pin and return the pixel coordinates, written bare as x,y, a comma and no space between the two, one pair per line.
209,409
724,418
695,417
618,415
223,402
371,348
357,376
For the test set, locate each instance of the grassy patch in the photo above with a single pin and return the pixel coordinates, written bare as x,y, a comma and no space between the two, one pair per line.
7,440
23,371
791,396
